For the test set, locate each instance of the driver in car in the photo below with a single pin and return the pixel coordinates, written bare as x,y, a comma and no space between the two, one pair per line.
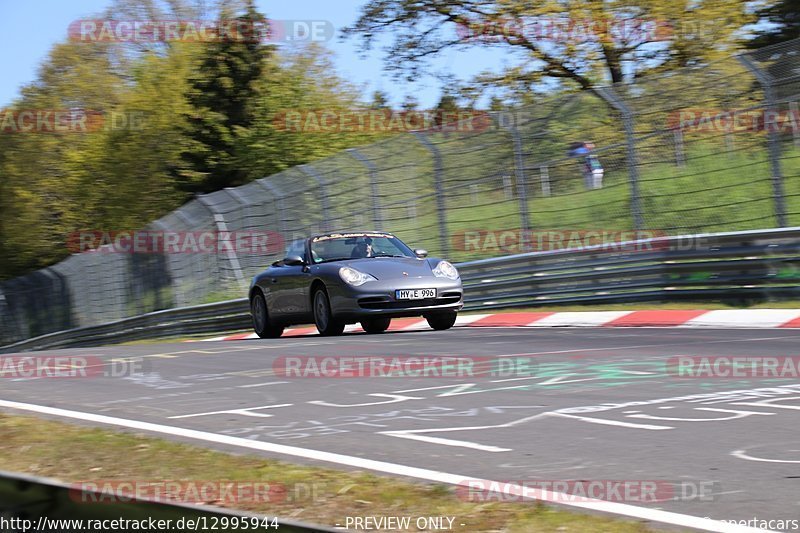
362,249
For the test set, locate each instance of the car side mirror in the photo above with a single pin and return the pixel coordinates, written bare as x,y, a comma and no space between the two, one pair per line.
422,254
293,260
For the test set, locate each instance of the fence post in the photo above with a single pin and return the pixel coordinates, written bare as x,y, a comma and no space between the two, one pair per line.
437,183
311,172
795,114
171,300
680,154
10,330
765,80
522,182
222,228
377,217
608,94
544,177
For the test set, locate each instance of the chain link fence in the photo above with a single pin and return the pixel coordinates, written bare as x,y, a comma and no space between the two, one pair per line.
710,148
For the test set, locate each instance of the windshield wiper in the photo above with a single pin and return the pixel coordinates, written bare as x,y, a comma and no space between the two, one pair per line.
388,255
334,259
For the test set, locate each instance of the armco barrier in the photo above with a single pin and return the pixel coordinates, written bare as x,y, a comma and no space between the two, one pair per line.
734,267
32,498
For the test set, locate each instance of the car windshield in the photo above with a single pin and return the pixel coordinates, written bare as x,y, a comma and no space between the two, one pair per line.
357,246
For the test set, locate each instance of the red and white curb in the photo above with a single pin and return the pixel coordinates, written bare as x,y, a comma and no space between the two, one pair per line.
729,318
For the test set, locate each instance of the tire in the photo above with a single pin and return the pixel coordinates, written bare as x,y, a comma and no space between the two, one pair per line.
442,321
376,325
323,316
261,324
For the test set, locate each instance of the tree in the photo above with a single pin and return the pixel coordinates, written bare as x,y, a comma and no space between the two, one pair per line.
446,109
123,176
223,93
380,100
303,80
583,43
496,103
410,103
782,19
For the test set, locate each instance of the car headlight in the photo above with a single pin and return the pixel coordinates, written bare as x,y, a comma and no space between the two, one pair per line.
445,270
354,277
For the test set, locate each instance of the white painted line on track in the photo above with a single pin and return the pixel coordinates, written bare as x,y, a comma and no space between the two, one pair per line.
753,318
579,318
741,454
465,320
656,515
261,384
446,442
244,412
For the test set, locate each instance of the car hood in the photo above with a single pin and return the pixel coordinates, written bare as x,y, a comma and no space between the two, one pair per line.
392,267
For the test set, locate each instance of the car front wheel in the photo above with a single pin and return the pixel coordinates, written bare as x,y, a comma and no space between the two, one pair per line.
261,323
441,321
376,325
323,316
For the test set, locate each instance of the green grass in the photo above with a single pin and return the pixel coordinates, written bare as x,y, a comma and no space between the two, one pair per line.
716,191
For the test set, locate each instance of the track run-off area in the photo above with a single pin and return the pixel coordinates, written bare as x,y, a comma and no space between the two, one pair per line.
594,404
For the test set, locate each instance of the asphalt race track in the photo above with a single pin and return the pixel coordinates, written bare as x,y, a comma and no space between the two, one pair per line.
741,449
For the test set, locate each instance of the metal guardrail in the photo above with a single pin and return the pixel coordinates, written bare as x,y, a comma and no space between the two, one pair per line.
25,497
736,267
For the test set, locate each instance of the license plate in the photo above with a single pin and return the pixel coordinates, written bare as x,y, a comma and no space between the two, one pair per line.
415,294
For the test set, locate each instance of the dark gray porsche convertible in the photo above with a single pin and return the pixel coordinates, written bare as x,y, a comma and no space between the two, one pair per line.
342,278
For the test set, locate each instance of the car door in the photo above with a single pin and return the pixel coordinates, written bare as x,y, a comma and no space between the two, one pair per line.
289,288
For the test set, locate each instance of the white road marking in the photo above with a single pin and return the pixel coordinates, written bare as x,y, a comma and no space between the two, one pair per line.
244,412
579,318
394,399
465,320
445,442
517,490
414,434
736,415
261,384
753,318
422,324
605,422
742,455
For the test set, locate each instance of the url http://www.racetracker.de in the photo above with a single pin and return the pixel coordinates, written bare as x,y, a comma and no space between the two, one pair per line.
201,523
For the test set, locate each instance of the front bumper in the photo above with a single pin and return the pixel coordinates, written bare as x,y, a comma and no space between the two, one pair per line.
377,298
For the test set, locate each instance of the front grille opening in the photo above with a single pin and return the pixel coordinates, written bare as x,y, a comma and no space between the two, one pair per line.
373,300
406,304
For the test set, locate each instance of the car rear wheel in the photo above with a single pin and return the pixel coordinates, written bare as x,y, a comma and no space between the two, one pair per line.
442,321
261,323
323,316
376,325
